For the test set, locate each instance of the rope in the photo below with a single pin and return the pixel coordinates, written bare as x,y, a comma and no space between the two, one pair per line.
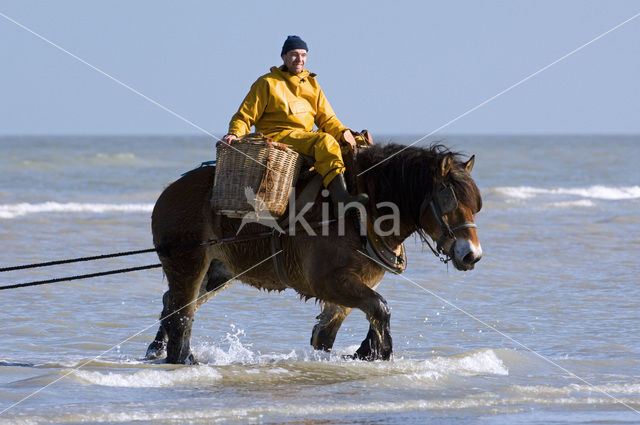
75,260
121,254
83,276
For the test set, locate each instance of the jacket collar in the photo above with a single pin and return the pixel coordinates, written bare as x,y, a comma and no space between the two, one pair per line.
282,70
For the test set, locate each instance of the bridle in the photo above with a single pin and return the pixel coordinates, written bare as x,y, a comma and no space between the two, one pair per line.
441,204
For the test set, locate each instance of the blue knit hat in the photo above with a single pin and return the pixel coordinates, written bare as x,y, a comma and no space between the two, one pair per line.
293,42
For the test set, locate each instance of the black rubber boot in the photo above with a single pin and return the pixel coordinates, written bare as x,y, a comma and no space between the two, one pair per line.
341,196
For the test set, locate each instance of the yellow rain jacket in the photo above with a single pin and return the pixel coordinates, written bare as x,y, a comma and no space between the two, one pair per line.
285,107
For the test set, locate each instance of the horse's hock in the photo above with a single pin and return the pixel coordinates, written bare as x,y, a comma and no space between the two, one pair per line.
254,175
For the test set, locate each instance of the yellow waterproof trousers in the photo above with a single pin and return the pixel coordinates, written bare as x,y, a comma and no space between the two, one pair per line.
321,146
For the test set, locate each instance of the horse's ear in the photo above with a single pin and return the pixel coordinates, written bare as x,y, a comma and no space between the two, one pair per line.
468,166
445,165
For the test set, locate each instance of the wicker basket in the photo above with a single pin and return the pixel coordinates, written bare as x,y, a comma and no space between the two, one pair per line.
254,175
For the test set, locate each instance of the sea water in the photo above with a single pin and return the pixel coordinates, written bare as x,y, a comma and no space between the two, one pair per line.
545,330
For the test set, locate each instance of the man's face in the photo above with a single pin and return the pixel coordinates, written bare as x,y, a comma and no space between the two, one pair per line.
294,60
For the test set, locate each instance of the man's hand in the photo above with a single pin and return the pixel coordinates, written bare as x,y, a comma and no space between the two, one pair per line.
348,139
228,139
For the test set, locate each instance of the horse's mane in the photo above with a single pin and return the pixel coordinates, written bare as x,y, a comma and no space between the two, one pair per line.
406,175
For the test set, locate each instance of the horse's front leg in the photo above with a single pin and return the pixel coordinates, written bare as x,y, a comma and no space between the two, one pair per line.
378,344
329,321
353,293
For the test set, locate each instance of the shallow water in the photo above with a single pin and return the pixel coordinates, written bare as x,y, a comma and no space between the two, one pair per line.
544,330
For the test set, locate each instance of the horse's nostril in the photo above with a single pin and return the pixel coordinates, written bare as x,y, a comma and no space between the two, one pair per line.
470,258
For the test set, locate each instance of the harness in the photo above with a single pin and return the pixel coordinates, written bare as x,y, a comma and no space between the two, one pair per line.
308,194
441,204
393,260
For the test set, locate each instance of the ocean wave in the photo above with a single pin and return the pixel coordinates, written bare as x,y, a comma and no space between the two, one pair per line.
123,156
584,203
239,363
631,389
54,162
150,378
9,211
240,367
263,412
317,363
482,362
608,193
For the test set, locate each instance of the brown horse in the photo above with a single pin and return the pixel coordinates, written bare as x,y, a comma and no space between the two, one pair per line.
424,190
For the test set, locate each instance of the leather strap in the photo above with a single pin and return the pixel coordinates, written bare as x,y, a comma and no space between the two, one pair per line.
275,242
308,195
394,260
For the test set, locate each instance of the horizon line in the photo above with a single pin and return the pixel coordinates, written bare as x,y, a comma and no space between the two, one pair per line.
381,134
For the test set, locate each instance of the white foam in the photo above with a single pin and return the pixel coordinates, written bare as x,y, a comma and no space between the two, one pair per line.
592,192
258,412
237,352
123,156
584,203
16,210
545,390
484,362
150,378
519,192
480,362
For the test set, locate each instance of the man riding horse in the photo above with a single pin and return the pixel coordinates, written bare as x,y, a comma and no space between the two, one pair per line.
284,105
429,190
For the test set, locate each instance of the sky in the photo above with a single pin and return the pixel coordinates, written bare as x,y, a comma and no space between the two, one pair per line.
402,67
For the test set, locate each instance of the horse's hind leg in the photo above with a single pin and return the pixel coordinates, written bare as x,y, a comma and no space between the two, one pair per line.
329,322
158,348
216,279
185,270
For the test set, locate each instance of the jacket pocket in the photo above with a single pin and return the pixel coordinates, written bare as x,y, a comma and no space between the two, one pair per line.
299,107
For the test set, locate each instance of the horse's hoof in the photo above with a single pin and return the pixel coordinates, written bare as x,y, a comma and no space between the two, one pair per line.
371,350
191,360
370,357
365,352
157,350
321,339
188,360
